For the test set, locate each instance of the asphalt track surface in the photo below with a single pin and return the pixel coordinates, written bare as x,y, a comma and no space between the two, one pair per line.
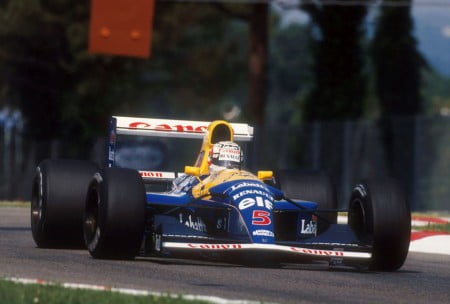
425,278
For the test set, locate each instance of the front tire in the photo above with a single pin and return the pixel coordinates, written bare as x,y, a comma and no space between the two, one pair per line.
114,219
380,216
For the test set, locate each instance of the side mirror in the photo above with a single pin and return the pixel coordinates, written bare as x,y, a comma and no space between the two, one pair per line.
262,175
189,170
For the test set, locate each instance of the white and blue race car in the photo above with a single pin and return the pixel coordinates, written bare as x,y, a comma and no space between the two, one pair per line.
234,215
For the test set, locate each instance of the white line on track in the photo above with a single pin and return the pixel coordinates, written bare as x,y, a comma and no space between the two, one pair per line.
134,292
437,244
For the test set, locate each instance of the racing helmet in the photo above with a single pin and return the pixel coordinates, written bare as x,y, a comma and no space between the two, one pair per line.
225,155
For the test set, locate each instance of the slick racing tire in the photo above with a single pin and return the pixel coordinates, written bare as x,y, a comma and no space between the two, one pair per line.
314,187
380,216
114,219
57,202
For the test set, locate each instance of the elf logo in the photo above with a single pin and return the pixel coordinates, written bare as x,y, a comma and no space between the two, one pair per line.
257,200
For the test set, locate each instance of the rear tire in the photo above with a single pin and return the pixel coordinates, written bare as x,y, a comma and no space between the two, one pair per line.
115,214
380,216
314,187
57,202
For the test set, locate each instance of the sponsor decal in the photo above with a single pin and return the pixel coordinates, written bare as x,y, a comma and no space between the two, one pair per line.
333,244
158,242
231,150
318,252
215,246
221,223
251,201
230,157
247,184
166,127
252,192
196,224
360,188
309,228
111,155
333,254
261,218
151,174
225,151
112,137
263,232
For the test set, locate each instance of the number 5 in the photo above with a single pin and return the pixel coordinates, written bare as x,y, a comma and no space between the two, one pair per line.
261,218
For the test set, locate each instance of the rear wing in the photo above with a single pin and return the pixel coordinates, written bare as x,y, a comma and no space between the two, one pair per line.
151,127
173,128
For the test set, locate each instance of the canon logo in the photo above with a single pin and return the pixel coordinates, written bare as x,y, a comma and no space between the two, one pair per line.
166,127
215,246
318,252
150,174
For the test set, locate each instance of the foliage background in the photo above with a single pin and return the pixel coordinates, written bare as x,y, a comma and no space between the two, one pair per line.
345,63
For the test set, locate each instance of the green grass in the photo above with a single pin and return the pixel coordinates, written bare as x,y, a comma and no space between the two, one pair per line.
433,213
23,204
16,293
434,227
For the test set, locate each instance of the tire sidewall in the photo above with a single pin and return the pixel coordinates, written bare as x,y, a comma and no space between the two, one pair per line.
93,243
38,206
379,215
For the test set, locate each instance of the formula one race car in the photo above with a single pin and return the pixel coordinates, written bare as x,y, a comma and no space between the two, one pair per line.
215,208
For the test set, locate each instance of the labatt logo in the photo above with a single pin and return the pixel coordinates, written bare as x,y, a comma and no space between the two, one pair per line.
196,224
309,228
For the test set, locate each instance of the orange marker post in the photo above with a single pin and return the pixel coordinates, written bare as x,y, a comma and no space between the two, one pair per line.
121,27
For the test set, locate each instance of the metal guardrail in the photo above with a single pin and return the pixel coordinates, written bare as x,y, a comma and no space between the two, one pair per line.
347,150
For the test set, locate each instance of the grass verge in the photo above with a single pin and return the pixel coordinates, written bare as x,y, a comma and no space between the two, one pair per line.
16,293
433,227
23,204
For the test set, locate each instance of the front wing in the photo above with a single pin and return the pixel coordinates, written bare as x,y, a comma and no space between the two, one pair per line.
274,248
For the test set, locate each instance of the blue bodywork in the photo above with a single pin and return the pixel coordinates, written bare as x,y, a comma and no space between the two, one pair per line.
233,213
246,211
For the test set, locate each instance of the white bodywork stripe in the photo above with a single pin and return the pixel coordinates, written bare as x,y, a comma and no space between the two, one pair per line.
158,174
272,247
175,128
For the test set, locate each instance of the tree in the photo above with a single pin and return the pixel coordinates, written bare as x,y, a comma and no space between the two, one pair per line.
199,58
289,73
67,94
63,92
398,65
258,62
338,62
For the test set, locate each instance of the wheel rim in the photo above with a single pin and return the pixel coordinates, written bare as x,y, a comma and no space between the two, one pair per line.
90,223
356,217
36,202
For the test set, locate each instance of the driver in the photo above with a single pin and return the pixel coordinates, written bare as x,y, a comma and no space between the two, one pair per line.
225,155
225,161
